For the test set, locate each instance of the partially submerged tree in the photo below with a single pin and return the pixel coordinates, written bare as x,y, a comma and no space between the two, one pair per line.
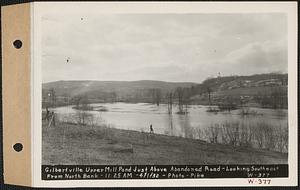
170,102
179,93
156,95
209,95
186,100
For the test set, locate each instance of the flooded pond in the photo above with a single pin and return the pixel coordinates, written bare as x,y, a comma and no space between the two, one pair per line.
140,116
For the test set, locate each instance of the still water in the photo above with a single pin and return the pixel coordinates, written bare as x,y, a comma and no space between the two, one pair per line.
140,116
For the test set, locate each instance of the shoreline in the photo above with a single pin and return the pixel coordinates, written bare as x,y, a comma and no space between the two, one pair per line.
195,104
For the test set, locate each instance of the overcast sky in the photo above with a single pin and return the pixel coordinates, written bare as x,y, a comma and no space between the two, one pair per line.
167,47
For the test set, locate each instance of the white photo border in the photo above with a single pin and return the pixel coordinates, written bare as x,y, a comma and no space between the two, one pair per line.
38,9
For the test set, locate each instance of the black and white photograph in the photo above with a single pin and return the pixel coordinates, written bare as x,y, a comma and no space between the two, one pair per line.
165,89
161,89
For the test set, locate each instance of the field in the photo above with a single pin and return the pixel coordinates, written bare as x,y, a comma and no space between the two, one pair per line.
96,145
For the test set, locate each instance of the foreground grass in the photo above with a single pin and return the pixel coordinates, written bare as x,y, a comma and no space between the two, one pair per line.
98,145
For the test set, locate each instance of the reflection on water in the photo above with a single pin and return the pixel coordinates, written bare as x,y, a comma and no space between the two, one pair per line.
170,128
139,117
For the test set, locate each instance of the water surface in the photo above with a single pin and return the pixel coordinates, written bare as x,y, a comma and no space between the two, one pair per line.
139,116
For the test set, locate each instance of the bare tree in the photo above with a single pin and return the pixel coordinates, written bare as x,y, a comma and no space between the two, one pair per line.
77,100
186,100
230,133
282,139
209,95
158,96
246,135
212,133
276,99
179,92
170,102
82,106
152,93
113,96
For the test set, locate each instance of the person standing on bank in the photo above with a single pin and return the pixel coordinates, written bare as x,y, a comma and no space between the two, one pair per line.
151,129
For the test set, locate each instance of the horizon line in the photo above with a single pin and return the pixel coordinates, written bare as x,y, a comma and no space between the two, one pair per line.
76,80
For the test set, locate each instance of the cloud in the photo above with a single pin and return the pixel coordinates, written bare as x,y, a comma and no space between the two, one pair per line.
169,47
259,57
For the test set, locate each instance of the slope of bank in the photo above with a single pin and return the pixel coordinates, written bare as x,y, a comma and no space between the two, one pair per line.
96,145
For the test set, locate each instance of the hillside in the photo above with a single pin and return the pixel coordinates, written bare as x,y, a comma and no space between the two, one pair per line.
111,90
79,87
234,82
263,90
258,89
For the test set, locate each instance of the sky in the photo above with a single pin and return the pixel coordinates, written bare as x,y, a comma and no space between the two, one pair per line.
165,47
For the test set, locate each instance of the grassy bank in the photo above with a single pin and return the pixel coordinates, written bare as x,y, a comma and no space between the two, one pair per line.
78,144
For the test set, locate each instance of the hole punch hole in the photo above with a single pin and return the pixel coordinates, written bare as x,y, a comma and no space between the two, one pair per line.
18,147
17,44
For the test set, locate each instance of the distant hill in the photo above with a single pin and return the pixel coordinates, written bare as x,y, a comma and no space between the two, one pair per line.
122,88
234,82
267,90
260,89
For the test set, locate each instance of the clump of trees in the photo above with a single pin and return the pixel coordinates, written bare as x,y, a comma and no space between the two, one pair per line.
230,103
259,135
270,137
180,97
276,99
183,97
82,107
212,133
156,96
